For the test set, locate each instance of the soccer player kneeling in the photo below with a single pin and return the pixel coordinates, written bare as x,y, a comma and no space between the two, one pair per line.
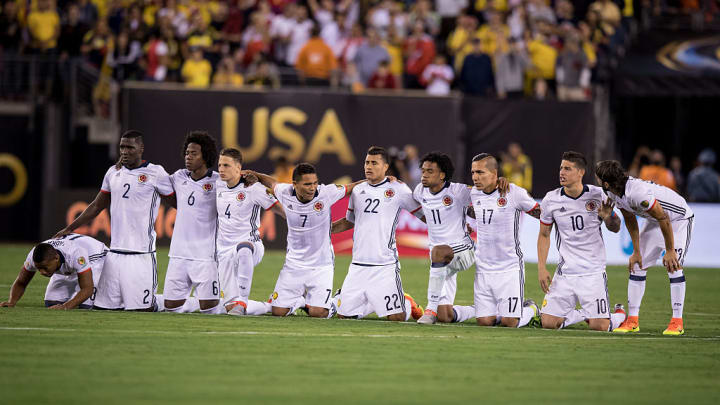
577,211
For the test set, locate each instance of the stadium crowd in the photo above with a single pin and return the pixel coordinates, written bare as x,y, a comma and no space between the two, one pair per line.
496,48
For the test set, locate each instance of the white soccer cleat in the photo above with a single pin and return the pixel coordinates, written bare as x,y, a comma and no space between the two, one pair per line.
238,309
428,318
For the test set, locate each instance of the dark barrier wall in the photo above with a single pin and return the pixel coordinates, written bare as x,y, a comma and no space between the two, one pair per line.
544,129
331,130
20,175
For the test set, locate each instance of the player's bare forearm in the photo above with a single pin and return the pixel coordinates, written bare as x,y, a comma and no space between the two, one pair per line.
349,187
471,212
543,246
341,225
18,288
101,201
278,209
535,212
632,227
170,200
264,179
85,281
661,216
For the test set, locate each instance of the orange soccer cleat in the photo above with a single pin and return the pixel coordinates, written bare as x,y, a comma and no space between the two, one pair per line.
416,311
631,324
675,328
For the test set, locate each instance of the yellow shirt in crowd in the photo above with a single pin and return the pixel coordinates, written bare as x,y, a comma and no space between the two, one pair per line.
196,73
542,57
43,25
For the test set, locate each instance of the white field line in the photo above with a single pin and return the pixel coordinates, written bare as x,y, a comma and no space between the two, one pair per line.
635,337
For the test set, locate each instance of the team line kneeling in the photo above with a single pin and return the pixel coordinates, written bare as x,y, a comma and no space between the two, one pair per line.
216,243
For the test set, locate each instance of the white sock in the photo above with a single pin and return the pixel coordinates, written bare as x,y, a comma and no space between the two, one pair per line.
616,319
192,304
257,307
366,311
526,316
677,293
299,303
636,290
463,313
245,268
438,273
572,318
160,301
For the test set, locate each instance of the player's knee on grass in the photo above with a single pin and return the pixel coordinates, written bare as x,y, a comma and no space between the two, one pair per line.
174,304
599,324
279,311
205,304
486,321
442,254
445,313
397,317
317,312
551,322
509,322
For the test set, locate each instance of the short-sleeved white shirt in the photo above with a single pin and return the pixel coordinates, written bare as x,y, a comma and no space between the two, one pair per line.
134,203
375,210
196,219
308,238
641,195
77,253
445,214
239,210
578,236
497,221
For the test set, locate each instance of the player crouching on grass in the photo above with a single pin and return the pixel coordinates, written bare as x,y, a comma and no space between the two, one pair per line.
577,211
306,279
666,235
73,263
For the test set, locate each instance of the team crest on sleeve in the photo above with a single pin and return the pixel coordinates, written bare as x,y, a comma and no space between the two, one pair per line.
318,206
389,193
591,205
645,204
502,201
142,179
447,201
274,296
81,261
207,186
240,196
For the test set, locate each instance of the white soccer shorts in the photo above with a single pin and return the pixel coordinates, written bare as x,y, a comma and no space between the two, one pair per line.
499,293
228,271
315,284
590,291
381,286
652,243
62,288
184,274
461,261
127,281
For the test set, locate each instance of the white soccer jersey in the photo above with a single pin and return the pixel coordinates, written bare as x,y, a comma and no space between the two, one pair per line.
641,195
445,215
375,210
196,220
134,203
238,211
308,238
77,254
578,236
498,220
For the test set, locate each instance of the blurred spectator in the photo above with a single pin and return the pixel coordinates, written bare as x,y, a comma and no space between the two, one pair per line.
420,52
88,12
322,13
226,76
677,172
44,27
124,57
280,30
334,32
369,55
262,74
423,12
703,181
510,68
412,161
97,44
639,160
382,78
72,33
437,77
196,71
449,11
517,167
542,71
10,29
459,41
378,17
299,34
608,10
476,75
255,39
657,172
156,58
316,62
572,71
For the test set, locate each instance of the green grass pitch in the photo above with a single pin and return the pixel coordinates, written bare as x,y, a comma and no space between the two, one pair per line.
103,358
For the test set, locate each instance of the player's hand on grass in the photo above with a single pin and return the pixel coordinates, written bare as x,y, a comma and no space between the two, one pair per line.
545,279
7,304
503,186
606,209
635,258
670,261
58,306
